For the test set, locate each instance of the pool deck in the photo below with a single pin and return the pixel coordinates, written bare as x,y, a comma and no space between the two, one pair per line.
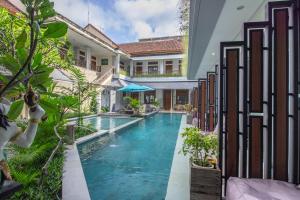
179,180
74,183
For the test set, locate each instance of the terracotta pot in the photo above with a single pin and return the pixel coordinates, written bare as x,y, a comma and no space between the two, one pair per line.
205,183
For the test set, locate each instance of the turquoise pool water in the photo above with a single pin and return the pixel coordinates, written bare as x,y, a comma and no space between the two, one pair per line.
133,164
106,123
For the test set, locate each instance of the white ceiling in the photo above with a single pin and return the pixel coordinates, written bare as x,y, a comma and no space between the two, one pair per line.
228,27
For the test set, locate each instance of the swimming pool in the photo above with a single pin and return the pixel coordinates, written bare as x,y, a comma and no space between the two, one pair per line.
134,163
106,123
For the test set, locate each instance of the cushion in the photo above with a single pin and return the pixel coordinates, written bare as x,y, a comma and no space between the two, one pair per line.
257,189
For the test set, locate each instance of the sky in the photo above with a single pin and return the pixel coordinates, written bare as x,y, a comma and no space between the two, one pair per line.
125,20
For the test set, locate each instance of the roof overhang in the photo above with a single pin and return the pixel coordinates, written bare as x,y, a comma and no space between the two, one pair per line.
215,21
159,57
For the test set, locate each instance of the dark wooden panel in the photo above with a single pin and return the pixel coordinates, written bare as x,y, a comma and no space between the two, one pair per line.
256,70
255,145
281,71
211,99
297,79
256,103
211,80
195,98
203,89
167,99
232,157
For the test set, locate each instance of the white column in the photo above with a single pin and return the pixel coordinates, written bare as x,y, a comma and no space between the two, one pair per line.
99,102
112,100
88,57
161,66
131,68
117,63
142,96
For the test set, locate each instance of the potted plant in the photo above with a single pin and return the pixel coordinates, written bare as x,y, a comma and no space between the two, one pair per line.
135,105
205,177
156,104
189,113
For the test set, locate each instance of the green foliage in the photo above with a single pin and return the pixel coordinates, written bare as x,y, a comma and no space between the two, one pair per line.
56,30
30,49
26,165
15,109
135,104
131,103
104,109
199,146
156,103
94,104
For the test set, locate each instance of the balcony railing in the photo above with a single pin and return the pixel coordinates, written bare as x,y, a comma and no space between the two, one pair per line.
80,63
124,72
174,73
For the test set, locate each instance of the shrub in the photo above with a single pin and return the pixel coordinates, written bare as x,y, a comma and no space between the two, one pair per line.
201,147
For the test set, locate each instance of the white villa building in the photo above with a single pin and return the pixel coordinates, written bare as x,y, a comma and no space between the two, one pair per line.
153,62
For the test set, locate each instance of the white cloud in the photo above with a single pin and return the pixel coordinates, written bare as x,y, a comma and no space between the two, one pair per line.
142,18
150,18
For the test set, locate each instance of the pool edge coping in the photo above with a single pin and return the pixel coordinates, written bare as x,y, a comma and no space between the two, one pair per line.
74,185
179,180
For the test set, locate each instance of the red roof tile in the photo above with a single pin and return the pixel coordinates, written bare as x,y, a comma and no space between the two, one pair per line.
162,46
9,6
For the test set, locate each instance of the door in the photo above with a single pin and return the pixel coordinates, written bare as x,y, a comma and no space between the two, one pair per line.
167,99
169,69
135,95
139,71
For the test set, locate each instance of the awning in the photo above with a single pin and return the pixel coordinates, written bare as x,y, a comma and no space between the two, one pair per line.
135,88
171,85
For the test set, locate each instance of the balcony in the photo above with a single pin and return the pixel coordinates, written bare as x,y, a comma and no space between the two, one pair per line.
124,72
80,63
174,73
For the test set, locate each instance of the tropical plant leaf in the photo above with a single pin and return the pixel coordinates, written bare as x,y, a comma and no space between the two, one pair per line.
56,30
15,109
21,40
10,63
22,55
49,105
37,60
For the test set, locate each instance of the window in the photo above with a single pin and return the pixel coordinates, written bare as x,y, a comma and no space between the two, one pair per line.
81,59
182,97
149,97
153,67
169,67
94,63
139,68
104,61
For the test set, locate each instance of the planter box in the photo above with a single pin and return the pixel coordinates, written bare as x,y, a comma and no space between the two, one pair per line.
205,183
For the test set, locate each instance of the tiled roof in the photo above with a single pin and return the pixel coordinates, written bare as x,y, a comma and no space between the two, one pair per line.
9,6
161,46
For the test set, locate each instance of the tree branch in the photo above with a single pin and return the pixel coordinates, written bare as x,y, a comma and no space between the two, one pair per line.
27,62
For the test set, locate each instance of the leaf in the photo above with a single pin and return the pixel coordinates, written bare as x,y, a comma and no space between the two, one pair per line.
37,60
15,109
22,55
21,40
47,10
10,63
56,30
49,105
